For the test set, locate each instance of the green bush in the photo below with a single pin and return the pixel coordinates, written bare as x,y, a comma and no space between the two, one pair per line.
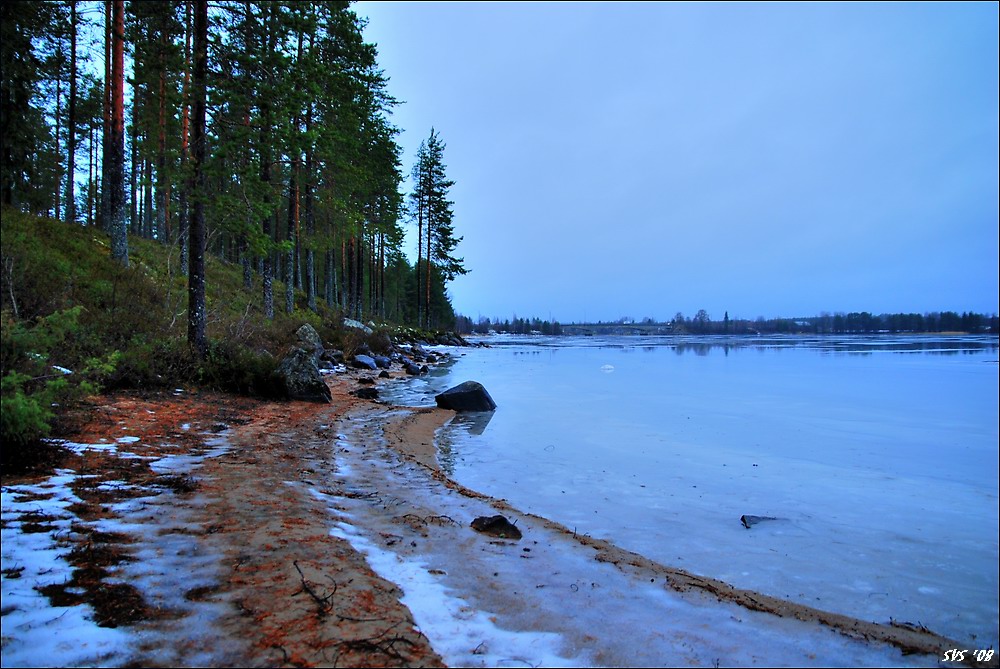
44,365
234,368
160,363
24,420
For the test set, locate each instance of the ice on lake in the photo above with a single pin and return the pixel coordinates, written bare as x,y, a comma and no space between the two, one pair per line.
877,458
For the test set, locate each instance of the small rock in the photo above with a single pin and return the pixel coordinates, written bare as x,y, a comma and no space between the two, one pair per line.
496,526
748,521
366,393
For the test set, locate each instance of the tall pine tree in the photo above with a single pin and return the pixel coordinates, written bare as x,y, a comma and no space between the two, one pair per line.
436,239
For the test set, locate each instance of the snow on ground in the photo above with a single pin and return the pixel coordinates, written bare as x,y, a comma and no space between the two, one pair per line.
34,559
166,561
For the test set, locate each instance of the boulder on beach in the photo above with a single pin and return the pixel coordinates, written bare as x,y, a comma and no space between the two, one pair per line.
300,375
410,367
496,526
468,396
365,362
309,340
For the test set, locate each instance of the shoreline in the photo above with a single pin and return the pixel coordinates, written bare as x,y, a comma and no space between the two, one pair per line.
278,589
406,431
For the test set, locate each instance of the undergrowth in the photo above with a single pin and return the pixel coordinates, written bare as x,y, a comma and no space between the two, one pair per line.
74,322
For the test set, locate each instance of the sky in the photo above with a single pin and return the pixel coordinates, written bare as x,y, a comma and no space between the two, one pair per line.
643,159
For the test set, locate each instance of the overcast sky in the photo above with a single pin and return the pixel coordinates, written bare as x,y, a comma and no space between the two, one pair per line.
620,159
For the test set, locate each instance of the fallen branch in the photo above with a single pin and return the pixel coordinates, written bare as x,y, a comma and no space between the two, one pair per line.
324,604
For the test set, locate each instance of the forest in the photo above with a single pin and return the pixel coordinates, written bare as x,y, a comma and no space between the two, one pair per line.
268,121
183,184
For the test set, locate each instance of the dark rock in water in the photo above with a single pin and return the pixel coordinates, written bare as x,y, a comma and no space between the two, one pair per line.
468,396
384,375
748,521
365,362
382,361
300,374
410,367
496,526
424,369
366,381
366,393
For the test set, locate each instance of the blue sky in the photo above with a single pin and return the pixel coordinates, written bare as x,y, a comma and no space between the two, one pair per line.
643,159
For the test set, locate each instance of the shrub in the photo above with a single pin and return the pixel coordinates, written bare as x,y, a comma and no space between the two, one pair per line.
234,368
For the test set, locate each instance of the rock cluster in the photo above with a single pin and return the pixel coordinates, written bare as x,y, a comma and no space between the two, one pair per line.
300,369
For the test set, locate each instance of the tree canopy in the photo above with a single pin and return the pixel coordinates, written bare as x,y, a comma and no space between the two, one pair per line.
300,178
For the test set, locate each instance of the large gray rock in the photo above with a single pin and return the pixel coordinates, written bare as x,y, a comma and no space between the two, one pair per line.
468,396
357,325
300,374
309,340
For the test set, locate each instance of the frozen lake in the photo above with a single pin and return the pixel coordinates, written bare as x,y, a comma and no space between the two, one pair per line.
876,457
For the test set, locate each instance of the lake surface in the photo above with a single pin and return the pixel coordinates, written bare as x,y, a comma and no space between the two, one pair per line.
877,459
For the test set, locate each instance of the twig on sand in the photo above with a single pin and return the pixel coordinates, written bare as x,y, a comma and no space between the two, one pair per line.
324,604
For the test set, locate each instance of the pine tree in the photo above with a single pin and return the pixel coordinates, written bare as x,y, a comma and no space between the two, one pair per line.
435,229
113,182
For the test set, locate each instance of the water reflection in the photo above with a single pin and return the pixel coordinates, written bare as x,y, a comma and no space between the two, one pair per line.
457,432
706,345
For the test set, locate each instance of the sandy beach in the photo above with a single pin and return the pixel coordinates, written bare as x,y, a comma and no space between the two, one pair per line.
255,547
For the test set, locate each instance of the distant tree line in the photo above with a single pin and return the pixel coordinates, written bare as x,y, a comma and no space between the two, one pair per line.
515,325
838,323
701,323
253,130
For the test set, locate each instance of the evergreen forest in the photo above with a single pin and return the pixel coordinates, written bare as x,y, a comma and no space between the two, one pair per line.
183,184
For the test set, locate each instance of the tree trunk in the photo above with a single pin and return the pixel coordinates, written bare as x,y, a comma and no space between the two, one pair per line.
147,200
196,272
329,278
310,278
182,204
162,181
71,122
115,182
58,128
293,222
105,209
427,283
